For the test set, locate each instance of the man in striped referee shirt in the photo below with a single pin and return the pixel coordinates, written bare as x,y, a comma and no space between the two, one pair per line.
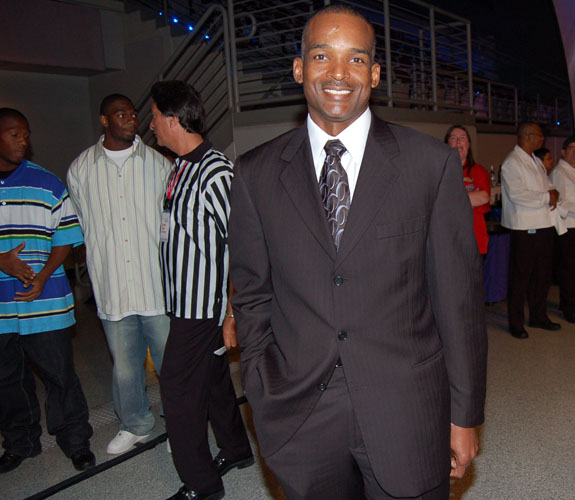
117,187
195,382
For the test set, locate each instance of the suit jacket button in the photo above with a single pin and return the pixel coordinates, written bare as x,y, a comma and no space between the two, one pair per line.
338,280
322,387
342,335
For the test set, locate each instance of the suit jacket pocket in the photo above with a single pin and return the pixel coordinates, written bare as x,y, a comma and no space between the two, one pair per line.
430,359
265,374
400,228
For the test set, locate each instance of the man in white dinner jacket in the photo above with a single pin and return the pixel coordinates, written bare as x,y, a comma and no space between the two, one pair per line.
529,204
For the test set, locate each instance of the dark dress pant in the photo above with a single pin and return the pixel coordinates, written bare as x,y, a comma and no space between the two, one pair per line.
326,457
66,410
530,268
196,387
566,271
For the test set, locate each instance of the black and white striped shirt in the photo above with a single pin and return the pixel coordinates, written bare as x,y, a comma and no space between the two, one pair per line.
195,256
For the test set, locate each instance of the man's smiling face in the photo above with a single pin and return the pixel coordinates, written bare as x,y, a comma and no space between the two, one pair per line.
337,70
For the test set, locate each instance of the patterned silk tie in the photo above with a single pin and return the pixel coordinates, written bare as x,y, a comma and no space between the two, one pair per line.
334,189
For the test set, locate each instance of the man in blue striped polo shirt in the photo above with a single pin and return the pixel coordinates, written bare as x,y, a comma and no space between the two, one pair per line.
38,227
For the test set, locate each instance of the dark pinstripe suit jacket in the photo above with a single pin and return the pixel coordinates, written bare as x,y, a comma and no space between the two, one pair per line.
405,286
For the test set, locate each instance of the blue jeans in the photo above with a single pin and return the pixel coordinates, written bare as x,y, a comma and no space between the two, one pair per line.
128,340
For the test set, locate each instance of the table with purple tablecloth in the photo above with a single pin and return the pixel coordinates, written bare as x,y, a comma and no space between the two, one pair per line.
496,264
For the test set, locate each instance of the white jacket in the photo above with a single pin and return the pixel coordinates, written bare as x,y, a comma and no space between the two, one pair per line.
525,193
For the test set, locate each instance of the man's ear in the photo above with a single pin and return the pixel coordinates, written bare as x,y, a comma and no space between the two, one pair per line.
298,70
104,121
375,75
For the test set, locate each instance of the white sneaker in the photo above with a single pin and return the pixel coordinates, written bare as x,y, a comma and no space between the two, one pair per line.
168,447
123,441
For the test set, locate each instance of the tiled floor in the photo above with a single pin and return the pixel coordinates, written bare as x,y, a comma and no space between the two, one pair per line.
527,441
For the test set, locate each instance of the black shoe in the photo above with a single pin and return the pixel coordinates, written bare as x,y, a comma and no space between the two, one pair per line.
9,461
518,333
83,459
224,465
545,325
569,316
185,493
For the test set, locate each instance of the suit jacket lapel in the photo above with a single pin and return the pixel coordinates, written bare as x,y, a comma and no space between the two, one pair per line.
376,177
299,180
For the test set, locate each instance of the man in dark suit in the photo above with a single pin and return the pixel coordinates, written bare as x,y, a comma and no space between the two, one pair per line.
358,290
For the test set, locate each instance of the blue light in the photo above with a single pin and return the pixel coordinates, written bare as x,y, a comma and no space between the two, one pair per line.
160,13
175,20
190,28
558,123
477,92
207,37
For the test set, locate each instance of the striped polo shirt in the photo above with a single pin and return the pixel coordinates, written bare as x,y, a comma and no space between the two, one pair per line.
35,209
195,255
120,210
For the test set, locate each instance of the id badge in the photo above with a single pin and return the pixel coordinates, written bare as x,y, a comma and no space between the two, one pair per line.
165,227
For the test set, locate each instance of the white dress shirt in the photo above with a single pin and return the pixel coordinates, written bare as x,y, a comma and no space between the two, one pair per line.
563,177
525,193
120,207
353,138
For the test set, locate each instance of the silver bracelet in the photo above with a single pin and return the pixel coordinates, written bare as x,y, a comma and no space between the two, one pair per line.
229,315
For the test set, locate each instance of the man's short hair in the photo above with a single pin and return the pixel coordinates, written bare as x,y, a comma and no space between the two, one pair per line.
524,128
11,113
109,99
568,141
340,8
541,152
179,99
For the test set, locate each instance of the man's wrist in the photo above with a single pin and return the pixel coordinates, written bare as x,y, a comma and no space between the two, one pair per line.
42,276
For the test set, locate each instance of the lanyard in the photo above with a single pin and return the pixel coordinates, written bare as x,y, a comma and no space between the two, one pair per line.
172,184
174,179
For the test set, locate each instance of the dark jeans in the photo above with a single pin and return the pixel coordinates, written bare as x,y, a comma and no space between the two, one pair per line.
66,408
196,387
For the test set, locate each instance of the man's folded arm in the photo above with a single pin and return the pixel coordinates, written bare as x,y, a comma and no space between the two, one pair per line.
514,184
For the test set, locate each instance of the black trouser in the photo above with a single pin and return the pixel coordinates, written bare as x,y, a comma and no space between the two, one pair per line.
530,264
66,408
196,386
567,271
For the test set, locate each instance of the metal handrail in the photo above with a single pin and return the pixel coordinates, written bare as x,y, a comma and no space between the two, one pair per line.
426,56
189,48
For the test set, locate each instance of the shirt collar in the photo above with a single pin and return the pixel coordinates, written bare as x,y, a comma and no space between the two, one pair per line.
564,164
524,153
137,144
353,137
17,171
197,154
